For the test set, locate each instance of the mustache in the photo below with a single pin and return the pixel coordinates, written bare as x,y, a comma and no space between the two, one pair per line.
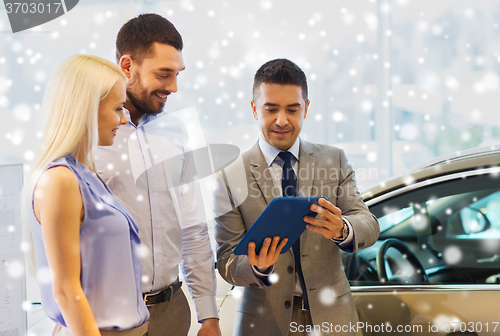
165,93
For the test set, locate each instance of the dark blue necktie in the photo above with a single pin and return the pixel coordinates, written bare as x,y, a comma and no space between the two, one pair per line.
289,185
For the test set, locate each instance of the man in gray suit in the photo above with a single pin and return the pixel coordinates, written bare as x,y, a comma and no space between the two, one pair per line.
304,289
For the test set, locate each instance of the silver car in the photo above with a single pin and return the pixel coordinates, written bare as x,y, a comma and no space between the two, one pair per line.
435,269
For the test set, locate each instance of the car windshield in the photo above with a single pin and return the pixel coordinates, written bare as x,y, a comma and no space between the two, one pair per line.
394,216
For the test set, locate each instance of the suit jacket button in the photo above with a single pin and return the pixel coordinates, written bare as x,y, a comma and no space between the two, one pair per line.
290,269
288,304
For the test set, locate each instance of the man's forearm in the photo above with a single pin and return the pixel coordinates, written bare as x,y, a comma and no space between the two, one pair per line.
198,267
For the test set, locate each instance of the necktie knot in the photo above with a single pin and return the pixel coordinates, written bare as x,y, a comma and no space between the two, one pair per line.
286,156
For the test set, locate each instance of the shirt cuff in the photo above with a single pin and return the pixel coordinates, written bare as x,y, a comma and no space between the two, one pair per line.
347,243
206,307
266,273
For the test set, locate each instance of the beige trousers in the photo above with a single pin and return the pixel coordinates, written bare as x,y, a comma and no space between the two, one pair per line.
141,330
172,318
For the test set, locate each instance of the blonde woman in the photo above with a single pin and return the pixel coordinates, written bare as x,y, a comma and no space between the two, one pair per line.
85,243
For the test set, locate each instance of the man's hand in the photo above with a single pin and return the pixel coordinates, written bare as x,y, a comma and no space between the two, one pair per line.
330,224
210,327
268,254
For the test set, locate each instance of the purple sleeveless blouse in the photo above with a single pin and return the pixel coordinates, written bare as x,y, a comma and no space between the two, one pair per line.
110,259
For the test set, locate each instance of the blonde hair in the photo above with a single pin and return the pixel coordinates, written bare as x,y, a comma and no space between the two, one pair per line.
71,102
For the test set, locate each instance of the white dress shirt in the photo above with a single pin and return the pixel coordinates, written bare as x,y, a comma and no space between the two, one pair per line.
146,168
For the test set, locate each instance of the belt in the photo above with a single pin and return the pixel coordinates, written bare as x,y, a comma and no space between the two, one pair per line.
297,301
162,295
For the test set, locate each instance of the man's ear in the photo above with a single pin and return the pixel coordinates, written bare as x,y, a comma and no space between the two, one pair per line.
307,106
254,109
125,64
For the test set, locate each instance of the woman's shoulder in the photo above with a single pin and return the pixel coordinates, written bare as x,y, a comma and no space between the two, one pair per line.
59,178
61,172
57,189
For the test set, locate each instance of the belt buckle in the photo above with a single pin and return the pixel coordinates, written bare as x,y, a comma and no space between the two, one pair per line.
146,295
153,295
303,305
166,293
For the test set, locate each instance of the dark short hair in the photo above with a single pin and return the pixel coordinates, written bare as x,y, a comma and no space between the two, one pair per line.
280,71
138,35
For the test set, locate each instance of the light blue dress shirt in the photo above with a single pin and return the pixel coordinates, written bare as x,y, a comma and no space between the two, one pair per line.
145,168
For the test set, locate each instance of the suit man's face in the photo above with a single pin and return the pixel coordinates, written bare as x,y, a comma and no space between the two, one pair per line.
280,111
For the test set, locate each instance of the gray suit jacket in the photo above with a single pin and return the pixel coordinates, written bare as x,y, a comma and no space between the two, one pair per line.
244,189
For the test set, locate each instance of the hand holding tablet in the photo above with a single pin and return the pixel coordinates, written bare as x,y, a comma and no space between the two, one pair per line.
283,218
268,254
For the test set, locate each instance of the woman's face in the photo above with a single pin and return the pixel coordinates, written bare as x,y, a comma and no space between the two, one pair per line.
110,114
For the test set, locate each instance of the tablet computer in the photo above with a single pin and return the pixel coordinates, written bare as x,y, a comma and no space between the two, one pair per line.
283,217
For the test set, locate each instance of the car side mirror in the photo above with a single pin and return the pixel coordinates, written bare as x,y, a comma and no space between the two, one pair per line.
468,221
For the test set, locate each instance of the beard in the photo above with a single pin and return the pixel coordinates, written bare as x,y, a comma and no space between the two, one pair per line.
141,99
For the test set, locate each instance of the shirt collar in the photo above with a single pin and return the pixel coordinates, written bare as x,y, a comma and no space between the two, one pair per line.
270,152
144,119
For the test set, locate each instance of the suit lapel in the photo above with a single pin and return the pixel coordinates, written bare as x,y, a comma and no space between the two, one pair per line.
261,174
306,169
